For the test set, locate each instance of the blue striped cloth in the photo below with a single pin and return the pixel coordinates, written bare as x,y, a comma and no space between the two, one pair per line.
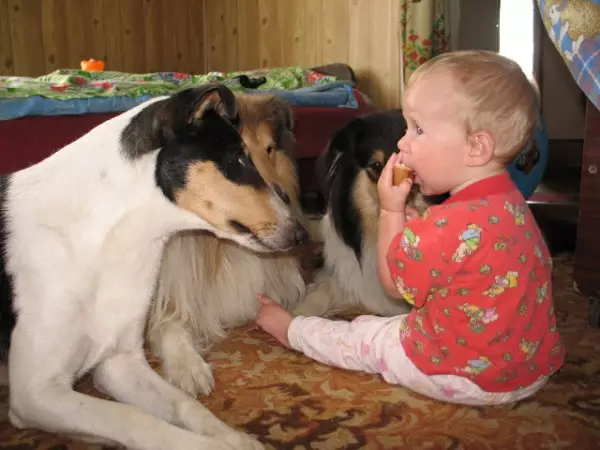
574,28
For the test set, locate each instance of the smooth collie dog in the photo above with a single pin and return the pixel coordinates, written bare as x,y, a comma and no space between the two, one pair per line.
83,234
206,285
353,163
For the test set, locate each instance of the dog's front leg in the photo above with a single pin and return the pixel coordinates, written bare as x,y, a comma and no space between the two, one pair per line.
182,365
128,378
46,402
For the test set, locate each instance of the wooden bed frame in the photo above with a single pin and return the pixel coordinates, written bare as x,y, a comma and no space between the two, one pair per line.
587,252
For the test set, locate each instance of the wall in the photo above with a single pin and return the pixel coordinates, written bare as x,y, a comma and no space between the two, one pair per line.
562,102
244,34
39,36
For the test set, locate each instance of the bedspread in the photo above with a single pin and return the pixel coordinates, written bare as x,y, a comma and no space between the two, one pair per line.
574,28
70,91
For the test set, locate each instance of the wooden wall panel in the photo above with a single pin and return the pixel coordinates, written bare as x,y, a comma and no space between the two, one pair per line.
6,53
39,36
25,19
248,29
196,57
362,33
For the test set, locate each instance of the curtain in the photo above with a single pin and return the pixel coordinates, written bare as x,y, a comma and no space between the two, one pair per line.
428,28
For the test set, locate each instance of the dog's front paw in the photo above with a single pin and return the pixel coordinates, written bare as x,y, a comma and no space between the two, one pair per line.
190,373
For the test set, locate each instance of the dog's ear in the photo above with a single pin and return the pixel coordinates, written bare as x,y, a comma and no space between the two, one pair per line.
218,98
196,104
342,145
162,121
344,140
282,119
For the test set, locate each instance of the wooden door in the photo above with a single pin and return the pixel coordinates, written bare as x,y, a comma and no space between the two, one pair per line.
587,252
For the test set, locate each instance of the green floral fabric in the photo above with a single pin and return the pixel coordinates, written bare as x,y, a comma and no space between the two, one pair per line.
73,84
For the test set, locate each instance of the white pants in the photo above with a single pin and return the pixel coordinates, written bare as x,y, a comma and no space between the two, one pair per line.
372,344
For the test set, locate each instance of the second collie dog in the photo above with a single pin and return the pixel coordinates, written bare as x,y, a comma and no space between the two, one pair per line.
353,164
208,285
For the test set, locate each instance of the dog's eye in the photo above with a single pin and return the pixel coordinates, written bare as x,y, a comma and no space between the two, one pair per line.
376,166
269,149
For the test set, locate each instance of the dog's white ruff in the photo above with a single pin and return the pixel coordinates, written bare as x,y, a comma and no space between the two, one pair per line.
344,283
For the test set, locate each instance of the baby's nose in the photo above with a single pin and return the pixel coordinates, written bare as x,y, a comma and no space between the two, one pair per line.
402,144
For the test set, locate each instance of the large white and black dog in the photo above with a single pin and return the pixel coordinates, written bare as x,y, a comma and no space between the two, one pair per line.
352,164
82,238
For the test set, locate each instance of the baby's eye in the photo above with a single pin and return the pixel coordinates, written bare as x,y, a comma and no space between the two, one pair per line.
418,130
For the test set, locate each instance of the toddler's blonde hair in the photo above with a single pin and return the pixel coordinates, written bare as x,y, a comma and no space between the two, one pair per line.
494,96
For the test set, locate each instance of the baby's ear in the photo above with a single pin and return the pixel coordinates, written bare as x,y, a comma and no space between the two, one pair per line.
481,148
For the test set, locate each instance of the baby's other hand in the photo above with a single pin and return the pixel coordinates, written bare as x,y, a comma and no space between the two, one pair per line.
411,213
274,319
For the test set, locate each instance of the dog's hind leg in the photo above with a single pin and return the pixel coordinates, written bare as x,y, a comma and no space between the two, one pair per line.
128,378
182,365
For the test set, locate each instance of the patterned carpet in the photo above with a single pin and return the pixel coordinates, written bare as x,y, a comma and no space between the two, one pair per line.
289,402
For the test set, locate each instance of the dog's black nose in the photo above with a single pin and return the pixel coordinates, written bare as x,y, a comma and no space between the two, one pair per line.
300,235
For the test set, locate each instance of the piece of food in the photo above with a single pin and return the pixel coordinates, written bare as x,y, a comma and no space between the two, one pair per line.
401,172
92,65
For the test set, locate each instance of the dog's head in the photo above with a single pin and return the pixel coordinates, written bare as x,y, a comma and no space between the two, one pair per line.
267,130
204,167
352,165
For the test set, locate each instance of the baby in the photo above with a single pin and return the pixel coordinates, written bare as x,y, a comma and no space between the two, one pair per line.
475,268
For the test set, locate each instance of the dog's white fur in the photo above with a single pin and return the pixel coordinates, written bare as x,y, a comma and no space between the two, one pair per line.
87,230
197,302
344,284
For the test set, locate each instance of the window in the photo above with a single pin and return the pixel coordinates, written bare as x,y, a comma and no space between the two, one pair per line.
517,32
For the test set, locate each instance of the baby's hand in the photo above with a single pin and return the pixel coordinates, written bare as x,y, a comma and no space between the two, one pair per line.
392,197
274,319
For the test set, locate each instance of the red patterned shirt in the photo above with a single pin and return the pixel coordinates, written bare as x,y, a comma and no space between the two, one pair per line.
479,274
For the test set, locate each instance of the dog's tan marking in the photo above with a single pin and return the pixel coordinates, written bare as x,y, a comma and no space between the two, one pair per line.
274,167
366,202
379,156
212,100
247,205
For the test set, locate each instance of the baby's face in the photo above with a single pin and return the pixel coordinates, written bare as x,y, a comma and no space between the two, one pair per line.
435,142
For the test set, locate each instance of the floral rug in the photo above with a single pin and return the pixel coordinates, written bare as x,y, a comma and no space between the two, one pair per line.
291,403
